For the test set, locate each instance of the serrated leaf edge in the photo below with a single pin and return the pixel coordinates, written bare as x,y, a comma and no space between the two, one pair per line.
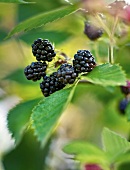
114,133
27,29
26,126
110,65
48,135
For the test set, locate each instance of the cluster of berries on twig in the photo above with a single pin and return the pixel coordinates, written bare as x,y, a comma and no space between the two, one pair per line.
66,73
124,102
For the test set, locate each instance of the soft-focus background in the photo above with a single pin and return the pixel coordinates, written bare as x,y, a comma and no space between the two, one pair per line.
92,108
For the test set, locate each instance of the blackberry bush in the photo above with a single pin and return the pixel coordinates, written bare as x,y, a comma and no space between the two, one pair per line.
35,71
83,61
51,84
66,74
92,32
43,50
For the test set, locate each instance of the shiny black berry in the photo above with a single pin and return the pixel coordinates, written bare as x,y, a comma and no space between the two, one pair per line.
83,61
122,105
51,84
92,32
35,71
126,89
43,50
66,74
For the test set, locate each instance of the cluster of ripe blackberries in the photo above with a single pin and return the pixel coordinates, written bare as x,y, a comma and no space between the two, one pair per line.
66,74
124,102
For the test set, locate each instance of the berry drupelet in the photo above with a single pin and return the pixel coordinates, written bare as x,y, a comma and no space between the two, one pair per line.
66,74
35,71
83,61
51,84
43,50
92,32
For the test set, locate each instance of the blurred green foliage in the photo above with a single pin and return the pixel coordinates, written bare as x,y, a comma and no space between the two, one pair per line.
28,155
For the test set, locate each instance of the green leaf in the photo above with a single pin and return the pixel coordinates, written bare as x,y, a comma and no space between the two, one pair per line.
26,11
46,115
43,19
85,152
14,1
114,145
18,118
107,75
124,158
128,111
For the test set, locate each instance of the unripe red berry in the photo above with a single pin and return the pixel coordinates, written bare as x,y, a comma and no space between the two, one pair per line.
92,167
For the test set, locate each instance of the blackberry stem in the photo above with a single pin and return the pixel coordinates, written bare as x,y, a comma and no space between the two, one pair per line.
110,35
110,53
112,42
103,24
115,25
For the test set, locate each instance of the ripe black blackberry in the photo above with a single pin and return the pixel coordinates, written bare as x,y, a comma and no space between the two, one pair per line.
35,71
83,61
126,89
122,105
66,74
92,32
43,50
50,84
